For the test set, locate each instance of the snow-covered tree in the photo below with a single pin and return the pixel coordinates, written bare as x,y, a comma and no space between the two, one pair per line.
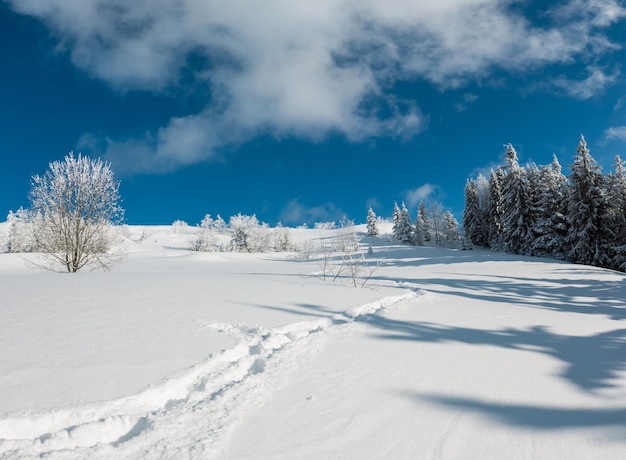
587,211
402,230
206,239
516,194
372,227
74,206
437,223
395,218
20,231
419,230
249,235
474,219
550,226
451,230
616,190
282,239
180,227
241,226
423,215
494,213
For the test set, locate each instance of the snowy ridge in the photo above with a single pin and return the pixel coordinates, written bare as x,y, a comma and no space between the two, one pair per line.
110,424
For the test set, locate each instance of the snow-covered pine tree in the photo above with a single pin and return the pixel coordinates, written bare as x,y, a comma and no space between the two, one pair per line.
418,233
395,219
533,179
587,211
516,221
451,230
494,210
616,190
402,228
549,226
372,227
437,223
423,215
474,224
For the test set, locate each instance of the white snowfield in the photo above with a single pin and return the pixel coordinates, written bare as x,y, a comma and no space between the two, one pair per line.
182,355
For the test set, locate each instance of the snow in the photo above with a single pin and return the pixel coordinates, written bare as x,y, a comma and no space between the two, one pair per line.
443,354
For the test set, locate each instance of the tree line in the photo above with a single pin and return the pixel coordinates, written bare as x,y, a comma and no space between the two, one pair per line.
436,226
538,211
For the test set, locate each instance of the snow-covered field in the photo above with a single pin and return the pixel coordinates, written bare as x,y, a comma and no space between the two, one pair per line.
443,354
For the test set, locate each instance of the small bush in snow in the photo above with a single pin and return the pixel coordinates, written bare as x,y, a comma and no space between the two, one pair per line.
325,225
20,232
180,226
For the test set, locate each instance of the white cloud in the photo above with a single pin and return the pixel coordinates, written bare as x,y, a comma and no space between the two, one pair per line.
297,213
466,101
589,87
308,68
425,192
615,132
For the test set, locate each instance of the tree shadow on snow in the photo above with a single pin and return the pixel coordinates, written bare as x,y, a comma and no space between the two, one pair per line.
591,362
585,296
537,417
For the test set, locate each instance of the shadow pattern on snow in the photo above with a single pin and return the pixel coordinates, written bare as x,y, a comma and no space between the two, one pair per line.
592,362
585,296
534,417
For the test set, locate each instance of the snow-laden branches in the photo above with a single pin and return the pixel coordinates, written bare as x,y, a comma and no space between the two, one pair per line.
74,207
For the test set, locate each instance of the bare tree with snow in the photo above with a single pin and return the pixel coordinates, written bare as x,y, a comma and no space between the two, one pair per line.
75,206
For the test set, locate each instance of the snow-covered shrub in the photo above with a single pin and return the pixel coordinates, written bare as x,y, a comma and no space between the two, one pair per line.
306,249
206,239
248,234
180,226
325,225
20,235
282,239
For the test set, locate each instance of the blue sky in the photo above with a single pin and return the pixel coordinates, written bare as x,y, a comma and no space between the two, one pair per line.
304,111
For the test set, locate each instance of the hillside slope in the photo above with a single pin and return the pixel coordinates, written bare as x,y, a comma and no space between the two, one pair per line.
443,354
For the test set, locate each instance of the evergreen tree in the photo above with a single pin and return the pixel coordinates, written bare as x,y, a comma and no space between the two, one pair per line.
494,213
474,224
372,229
395,219
587,211
516,220
419,230
451,230
423,215
437,223
550,225
402,226
616,190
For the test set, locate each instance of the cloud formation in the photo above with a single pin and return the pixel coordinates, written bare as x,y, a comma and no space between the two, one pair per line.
309,69
295,212
425,192
615,132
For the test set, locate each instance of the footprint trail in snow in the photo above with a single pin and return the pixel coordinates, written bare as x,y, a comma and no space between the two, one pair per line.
186,414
